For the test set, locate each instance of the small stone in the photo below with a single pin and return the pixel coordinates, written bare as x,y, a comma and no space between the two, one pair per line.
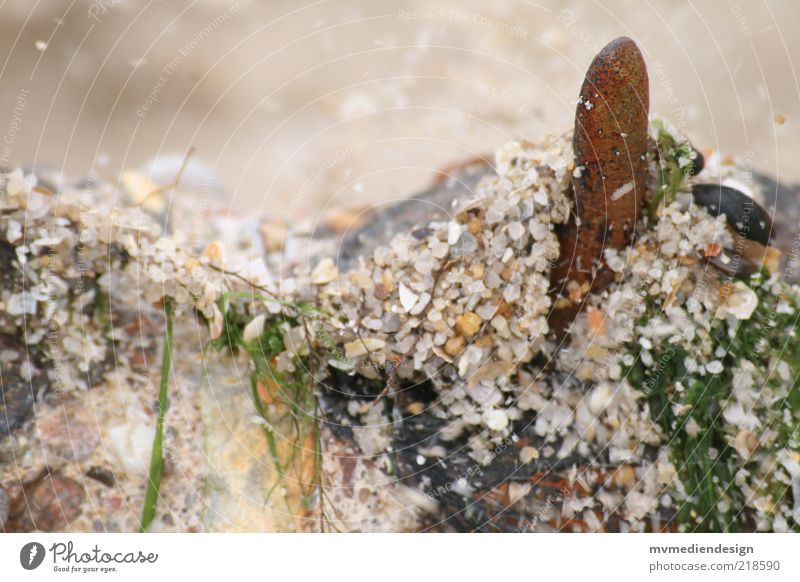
361,347
70,433
440,249
538,230
102,475
600,398
52,502
453,232
745,442
494,214
474,226
415,408
454,345
625,476
424,263
21,380
516,230
380,292
517,491
21,303
422,233
387,280
511,293
486,311
468,324
496,419
508,272
466,246
408,299
742,302
372,323
324,272
391,323
423,301
528,454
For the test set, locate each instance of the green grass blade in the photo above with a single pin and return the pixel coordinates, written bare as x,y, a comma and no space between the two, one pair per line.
157,456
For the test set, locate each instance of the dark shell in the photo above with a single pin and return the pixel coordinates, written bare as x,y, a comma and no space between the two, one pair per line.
698,163
742,213
734,264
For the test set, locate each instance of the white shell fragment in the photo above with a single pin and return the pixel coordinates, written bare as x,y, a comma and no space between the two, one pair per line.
742,301
408,299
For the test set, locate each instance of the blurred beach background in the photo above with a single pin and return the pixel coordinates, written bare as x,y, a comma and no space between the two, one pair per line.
296,106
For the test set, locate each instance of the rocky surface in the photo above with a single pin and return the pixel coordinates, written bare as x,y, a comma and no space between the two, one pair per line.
411,447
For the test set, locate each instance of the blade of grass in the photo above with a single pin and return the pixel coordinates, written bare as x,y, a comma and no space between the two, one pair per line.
157,456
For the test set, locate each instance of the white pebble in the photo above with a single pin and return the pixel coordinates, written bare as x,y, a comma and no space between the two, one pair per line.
408,299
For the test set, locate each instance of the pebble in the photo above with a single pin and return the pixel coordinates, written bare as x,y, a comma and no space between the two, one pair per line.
496,419
424,263
453,232
16,395
516,230
745,442
102,475
324,272
528,454
361,347
466,246
474,226
380,292
468,324
454,345
408,299
625,476
69,432
52,502
742,302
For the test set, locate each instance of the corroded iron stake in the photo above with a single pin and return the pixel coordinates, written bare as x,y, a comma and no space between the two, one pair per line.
609,143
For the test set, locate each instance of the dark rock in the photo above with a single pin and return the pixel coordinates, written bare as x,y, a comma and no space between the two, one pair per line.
435,204
8,263
48,502
22,378
102,475
3,508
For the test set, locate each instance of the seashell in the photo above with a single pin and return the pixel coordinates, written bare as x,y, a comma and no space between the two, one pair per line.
743,214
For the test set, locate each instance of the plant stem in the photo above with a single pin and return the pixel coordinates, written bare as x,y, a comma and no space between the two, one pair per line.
157,456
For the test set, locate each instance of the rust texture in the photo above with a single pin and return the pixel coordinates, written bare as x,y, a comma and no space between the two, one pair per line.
609,143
